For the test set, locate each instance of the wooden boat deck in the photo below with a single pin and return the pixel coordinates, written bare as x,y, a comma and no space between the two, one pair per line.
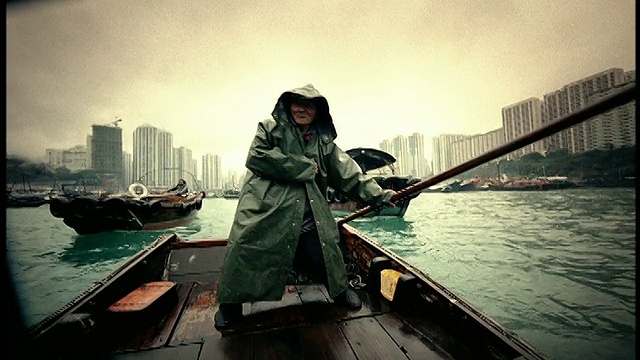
305,324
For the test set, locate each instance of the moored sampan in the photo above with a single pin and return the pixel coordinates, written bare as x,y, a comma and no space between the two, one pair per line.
94,214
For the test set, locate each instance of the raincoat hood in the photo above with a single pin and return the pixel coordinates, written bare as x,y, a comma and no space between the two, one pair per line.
323,121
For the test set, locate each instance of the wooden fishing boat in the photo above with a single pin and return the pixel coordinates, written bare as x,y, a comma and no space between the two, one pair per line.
134,211
14,200
462,185
369,160
231,194
161,305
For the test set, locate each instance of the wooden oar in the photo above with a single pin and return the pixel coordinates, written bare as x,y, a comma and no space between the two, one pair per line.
625,95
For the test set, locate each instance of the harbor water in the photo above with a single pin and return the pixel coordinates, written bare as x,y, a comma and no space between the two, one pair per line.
556,267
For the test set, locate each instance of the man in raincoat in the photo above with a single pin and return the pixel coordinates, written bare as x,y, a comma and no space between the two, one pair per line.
282,213
180,188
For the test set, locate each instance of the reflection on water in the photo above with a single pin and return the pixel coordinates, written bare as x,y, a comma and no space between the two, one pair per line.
396,234
114,245
104,247
383,224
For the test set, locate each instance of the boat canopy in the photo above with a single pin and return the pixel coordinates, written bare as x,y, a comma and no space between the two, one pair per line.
370,159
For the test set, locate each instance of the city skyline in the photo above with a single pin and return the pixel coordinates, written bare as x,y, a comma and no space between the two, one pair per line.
412,158
73,149
431,68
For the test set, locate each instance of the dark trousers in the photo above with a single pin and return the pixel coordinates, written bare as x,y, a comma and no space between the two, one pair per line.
309,258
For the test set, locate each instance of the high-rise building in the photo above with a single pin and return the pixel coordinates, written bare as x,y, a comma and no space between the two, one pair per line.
417,163
73,159
442,152
613,129
520,119
472,146
211,172
88,147
145,155
54,158
400,146
153,158
194,173
184,165
127,165
232,180
409,153
573,97
106,153
166,174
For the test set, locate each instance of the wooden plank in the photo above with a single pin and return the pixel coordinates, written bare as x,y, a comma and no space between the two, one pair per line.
169,323
131,333
289,298
212,276
277,345
197,321
196,260
325,342
266,320
142,297
436,334
411,342
185,352
231,347
313,293
371,305
369,340
317,308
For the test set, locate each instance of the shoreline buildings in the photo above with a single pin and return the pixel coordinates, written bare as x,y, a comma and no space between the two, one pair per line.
611,130
157,163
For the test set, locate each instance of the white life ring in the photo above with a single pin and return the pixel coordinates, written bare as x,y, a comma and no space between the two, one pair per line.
134,186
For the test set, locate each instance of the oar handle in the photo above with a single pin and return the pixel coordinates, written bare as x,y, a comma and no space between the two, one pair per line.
625,95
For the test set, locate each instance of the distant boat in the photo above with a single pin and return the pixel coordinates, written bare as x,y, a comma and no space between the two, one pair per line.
134,211
231,194
25,200
371,160
460,185
538,184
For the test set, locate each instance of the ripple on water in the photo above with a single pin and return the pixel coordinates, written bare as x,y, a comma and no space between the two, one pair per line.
556,267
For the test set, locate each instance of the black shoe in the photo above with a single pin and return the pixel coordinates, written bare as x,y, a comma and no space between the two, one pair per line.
227,314
350,299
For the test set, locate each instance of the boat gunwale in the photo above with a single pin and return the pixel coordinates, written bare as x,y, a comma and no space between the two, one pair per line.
454,306
454,300
96,288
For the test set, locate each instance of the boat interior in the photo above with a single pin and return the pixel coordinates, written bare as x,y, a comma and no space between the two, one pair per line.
161,305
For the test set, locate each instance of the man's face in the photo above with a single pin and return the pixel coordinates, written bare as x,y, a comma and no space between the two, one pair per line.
303,115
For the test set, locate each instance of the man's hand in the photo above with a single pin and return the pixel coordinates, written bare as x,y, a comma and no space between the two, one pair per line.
390,203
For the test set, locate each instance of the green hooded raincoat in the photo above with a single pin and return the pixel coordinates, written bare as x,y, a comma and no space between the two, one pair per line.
281,175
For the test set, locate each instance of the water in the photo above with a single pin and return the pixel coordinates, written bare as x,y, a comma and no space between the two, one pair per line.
556,267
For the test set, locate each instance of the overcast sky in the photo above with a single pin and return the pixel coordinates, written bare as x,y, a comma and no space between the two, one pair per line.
209,70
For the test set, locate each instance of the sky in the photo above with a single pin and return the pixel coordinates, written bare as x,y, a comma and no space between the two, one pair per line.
209,70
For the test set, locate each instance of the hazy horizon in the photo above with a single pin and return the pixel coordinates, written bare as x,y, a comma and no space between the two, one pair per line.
200,68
